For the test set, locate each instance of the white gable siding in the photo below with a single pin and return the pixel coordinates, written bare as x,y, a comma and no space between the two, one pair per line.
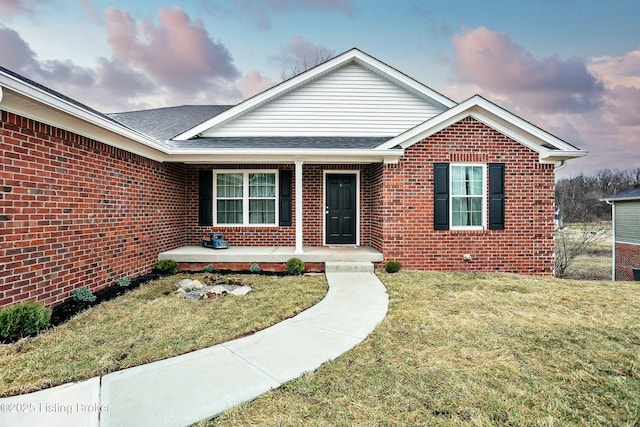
351,101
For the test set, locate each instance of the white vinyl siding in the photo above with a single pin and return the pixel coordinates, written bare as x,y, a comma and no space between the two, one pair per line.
627,220
351,101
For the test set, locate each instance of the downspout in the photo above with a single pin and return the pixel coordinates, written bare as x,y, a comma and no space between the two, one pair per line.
563,164
613,239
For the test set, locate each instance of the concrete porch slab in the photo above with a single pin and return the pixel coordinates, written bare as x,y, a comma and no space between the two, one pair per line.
275,254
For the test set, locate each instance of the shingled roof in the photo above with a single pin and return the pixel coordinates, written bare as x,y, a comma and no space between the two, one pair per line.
165,123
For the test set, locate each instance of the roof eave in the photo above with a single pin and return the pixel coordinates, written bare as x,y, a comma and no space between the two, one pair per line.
13,90
278,155
553,156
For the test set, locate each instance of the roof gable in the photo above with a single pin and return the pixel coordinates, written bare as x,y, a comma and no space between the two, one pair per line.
347,95
549,147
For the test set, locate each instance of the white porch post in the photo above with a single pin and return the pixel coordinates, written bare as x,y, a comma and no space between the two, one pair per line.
299,250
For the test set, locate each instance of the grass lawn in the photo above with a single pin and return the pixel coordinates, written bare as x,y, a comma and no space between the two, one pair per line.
477,350
146,325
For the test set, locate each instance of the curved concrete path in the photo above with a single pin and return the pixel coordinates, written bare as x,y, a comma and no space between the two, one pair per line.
185,389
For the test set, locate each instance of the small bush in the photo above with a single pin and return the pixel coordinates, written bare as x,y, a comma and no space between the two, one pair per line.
83,295
166,266
23,319
255,268
123,282
392,266
208,269
295,266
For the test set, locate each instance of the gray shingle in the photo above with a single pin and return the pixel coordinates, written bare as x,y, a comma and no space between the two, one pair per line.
165,123
307,142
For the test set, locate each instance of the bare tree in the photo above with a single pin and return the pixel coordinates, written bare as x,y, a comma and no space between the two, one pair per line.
318,57
574,241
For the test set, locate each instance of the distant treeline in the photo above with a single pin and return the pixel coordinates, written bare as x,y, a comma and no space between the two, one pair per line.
579,197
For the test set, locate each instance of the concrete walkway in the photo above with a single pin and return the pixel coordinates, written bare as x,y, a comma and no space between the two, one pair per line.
199,385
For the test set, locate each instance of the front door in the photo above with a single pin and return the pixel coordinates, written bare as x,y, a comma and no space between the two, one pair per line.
341,215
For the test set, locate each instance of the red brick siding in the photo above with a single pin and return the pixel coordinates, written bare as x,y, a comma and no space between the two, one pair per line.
525,246
75,212
627,257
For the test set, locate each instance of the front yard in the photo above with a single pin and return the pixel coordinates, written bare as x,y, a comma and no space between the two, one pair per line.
455,350
146,325
477,350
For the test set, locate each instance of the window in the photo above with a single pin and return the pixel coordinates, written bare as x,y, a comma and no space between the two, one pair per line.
245,198
467,195
461,200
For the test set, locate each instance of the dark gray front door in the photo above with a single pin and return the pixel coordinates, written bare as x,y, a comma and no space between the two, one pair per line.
341,215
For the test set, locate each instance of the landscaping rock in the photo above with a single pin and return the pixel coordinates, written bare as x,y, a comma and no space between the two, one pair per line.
189,285
216,287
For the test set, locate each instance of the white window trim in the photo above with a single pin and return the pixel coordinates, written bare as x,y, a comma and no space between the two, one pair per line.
245,196
484,198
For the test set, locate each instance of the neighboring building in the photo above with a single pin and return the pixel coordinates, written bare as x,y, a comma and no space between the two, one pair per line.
625,218
351,152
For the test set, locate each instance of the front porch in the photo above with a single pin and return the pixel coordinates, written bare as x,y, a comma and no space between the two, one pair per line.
270,255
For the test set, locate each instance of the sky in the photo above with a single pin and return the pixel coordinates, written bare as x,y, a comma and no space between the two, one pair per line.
571,67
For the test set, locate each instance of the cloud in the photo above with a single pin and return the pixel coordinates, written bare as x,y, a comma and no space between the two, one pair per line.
592,104
618,70
253,83
172,62
91,11
259,10
300,55
11,8
177,52
14,51
492,61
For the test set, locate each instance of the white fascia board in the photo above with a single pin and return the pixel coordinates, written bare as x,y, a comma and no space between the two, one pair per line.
273,156
494,117
311,74
553,156
50,100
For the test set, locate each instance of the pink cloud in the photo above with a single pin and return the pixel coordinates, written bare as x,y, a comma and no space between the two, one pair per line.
10,8
618,70
253,83
91,11
492,61
592,104
178,52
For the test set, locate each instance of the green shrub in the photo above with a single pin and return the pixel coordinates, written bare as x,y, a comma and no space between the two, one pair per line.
123,282
208,269
83,295
23,319
392,266
166,266
255,268
295,266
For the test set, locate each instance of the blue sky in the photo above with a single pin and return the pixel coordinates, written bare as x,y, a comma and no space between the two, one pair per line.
570,66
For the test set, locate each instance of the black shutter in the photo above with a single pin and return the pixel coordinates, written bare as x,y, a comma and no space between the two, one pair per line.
205,197
285,198
441,196
496,196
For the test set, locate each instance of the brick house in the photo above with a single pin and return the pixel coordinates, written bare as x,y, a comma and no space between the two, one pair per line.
351,153
625,217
